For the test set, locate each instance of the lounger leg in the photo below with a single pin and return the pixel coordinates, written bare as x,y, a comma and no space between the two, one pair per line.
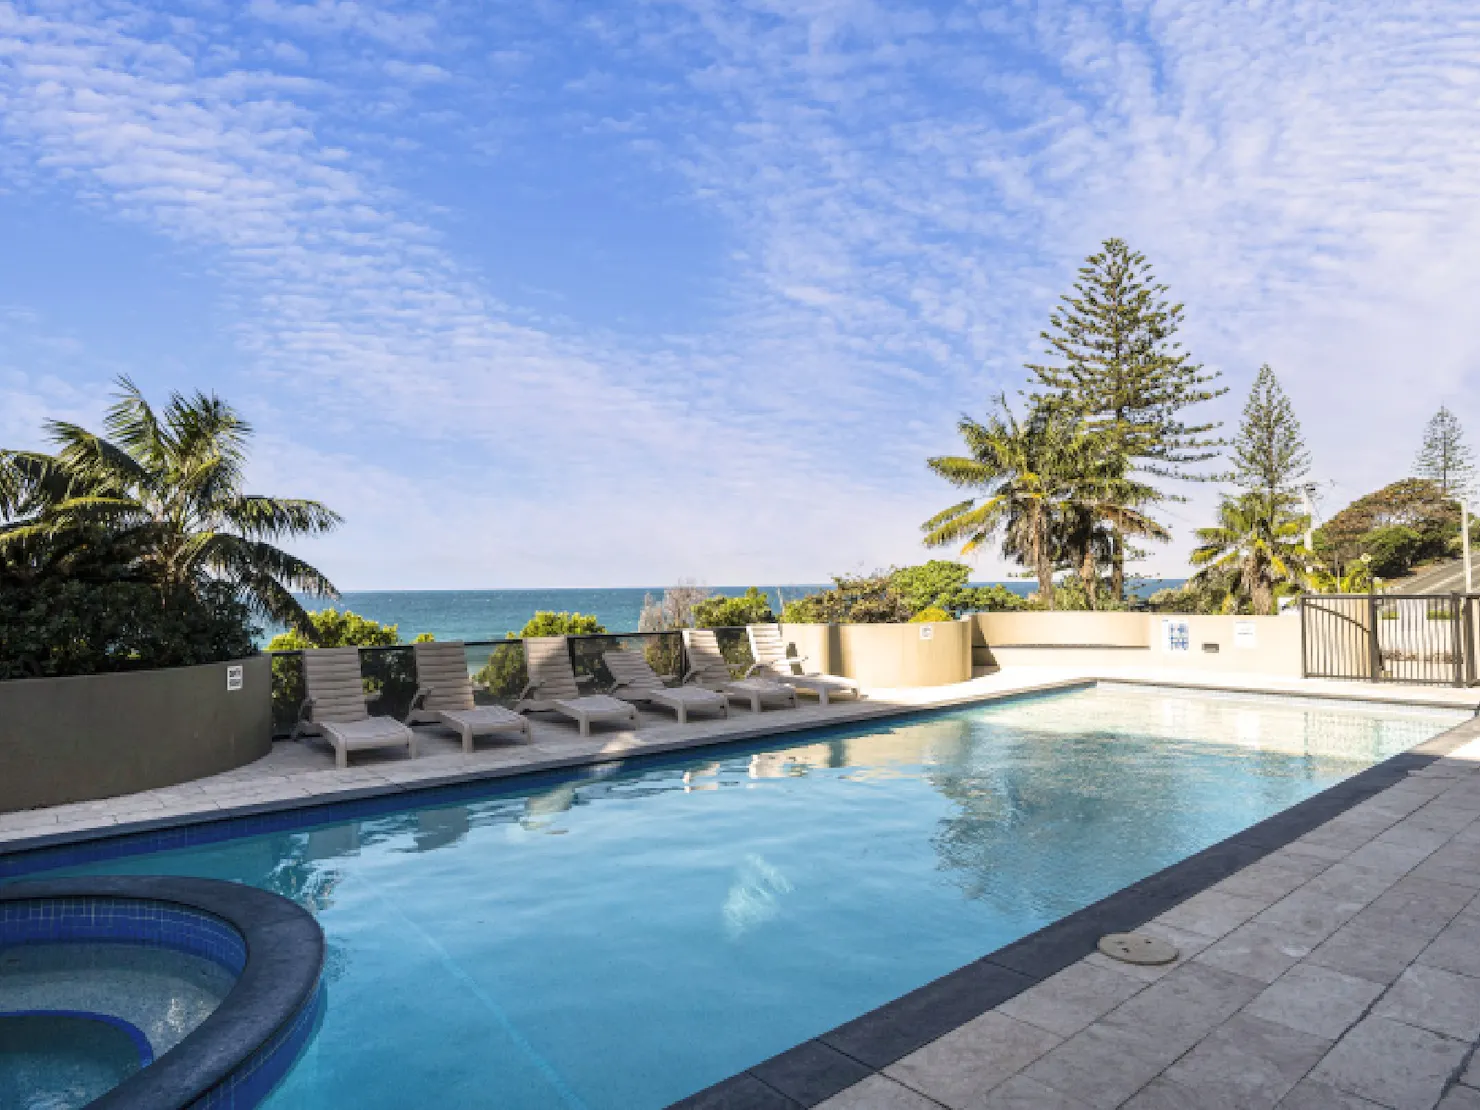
755,703
683,713
467,735
585,723
341,756
822,697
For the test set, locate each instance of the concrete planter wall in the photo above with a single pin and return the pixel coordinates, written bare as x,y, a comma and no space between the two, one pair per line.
934,653
96,736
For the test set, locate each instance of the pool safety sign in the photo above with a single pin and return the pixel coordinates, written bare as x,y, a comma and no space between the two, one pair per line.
926,632
233,678
1175,635
1244,635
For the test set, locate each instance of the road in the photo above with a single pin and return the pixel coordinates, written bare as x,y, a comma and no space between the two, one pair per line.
1445,578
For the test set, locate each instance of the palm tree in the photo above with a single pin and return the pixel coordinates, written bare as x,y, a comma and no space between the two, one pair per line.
1257,536
161,493
1040,479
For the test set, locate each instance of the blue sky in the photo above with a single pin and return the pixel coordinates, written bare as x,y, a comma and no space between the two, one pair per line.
550,293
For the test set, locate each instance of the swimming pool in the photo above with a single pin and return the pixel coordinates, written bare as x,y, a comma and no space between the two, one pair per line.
626,939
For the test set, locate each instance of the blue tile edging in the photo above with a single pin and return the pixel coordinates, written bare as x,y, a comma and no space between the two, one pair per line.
234,1057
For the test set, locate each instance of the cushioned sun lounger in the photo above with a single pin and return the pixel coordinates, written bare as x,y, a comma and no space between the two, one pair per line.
636,681
552,685
707,668
771,661
335,706
444,696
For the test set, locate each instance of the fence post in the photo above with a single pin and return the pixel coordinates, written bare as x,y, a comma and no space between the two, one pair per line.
1455,644
1374,647
1304,651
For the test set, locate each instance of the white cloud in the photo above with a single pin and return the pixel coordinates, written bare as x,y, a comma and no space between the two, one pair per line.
908,190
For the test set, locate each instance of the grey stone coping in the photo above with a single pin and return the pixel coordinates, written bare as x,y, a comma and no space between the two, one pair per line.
817,1069
285,957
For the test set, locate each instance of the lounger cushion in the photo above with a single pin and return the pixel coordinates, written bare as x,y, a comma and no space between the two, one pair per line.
595,705
371,732
491,718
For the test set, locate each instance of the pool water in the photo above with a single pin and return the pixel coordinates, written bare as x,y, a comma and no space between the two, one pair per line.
622,941
61,1061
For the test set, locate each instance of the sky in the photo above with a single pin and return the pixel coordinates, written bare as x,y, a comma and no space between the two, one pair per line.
549,293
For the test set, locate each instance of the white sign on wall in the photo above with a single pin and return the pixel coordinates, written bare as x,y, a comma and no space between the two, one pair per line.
926,632
233,678
1244,634
1175,635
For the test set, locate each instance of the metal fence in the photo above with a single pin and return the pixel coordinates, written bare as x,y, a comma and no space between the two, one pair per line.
496,668
1426,639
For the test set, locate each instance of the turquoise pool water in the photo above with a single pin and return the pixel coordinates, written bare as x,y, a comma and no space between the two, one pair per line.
622,941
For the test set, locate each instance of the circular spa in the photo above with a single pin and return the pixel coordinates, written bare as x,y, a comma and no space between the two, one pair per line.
151,992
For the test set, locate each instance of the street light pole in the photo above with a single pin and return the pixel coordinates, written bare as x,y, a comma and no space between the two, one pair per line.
1464,507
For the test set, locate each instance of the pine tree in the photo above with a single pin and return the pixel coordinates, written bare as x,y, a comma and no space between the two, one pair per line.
1444,457
1269,453
1125,371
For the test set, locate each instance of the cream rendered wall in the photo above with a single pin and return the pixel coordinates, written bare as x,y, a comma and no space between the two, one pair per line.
934,653
1079,629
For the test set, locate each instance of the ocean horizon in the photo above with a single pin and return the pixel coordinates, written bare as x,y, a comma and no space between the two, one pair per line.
477,615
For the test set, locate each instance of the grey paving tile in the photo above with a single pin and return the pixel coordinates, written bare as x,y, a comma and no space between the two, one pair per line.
1315,1000
1369,950
1247,1063
1455,863
1313,915
1460,1098
1310,1095
961,1067
1317,848
878,1092
1272,877
1095,1068
1169,1017
1456,948
1408,834
1067,1002
1022,1093
1262,952
1162,1094
1392,1063
1211,913
1419,905
1434,999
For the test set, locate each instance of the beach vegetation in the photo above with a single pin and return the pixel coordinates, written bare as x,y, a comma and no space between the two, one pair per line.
751,607
504,674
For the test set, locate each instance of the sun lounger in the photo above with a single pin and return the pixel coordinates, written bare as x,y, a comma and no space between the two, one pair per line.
707,668
444,696
636,681
335,706
552,685
771,661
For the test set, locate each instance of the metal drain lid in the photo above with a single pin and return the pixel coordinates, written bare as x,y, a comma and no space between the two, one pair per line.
1137,948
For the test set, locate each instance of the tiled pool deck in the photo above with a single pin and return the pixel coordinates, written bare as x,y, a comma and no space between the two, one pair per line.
1341,970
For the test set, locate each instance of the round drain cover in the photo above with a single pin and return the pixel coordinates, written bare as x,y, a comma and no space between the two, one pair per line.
1137,948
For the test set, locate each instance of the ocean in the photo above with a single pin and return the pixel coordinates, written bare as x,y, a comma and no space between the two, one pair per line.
472,615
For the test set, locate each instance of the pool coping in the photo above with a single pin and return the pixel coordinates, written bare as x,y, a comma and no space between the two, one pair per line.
285,958
812,1072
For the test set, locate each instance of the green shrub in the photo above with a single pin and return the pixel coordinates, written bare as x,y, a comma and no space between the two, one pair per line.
751,607
930,614
58,627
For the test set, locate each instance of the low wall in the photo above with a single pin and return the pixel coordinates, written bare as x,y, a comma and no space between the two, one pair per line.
1042,629
1232,644
97,736
932,653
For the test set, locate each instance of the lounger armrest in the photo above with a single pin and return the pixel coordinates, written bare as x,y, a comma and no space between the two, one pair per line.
585,678
689,675
750,670
421,695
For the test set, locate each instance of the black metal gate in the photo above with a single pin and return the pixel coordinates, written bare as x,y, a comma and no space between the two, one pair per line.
1427,639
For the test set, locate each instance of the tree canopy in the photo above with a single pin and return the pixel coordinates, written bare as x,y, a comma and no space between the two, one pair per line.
1444,457
1118,362
1269,452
